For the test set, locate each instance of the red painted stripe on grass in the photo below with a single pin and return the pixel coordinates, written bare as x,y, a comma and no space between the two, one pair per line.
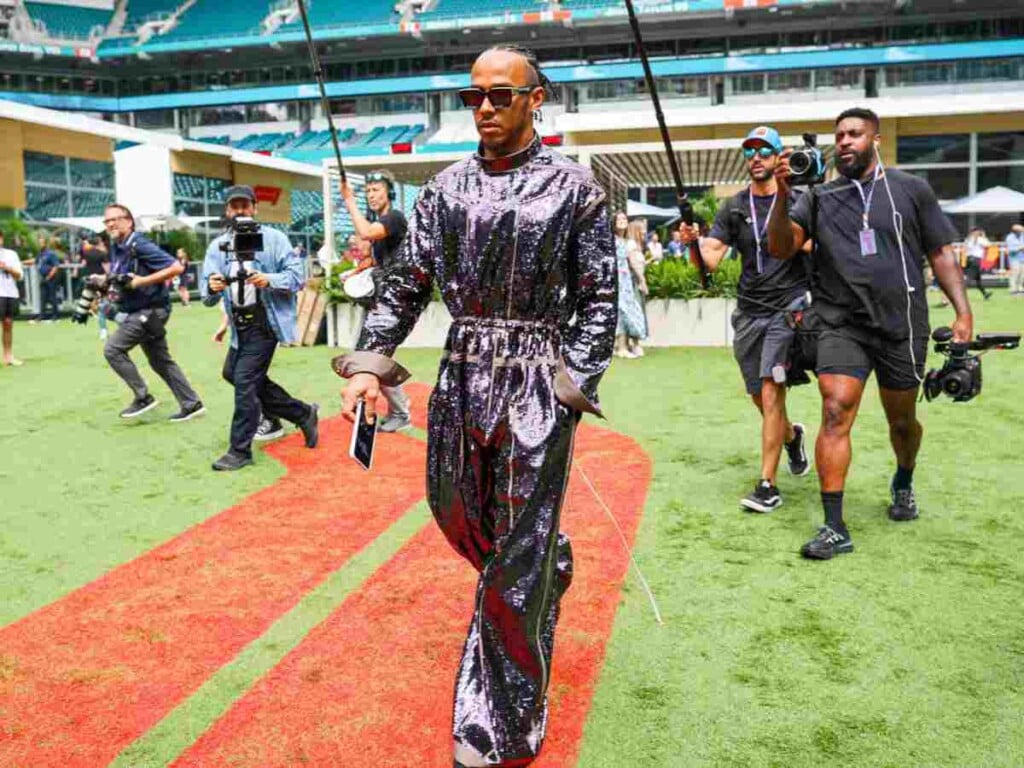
373,684
84,677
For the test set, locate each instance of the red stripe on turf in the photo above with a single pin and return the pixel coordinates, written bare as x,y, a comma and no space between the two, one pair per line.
373,684
85,676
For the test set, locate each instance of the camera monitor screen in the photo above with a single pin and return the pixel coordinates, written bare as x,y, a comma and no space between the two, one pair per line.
363,437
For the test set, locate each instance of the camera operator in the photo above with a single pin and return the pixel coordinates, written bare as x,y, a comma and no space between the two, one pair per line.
873,228
142,312
10,274
385,233
258,293
768,289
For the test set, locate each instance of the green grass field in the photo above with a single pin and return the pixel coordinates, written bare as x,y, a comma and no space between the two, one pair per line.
907,653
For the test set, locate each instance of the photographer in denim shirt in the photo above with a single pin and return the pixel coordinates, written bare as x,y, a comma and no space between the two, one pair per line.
258,291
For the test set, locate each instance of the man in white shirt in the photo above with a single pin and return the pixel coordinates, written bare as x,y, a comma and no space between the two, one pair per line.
10,273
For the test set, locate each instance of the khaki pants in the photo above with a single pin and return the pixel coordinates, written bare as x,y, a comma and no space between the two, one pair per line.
1017,277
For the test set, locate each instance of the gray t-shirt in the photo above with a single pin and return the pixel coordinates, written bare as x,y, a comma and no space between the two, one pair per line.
870,291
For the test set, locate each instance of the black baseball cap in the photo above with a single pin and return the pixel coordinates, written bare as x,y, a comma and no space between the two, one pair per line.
239,190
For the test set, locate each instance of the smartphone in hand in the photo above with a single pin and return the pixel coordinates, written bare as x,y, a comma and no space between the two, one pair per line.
364,436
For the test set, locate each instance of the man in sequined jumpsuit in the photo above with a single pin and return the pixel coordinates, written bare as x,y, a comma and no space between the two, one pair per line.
517,238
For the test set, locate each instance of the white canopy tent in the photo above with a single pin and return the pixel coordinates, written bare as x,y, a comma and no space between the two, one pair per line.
636,209
145,223
994,200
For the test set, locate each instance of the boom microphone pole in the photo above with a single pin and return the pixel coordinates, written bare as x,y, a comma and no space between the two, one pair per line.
682,199
318,73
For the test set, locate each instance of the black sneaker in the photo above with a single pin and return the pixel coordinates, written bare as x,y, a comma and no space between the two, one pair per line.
139,406
311,426
269,429
827,544
189,413
229,462
796,452
394,423
904,505
764,498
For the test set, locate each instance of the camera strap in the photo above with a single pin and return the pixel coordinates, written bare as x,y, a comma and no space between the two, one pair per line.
760,232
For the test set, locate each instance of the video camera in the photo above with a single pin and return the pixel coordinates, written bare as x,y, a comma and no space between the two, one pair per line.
96,287
245,242
960,376
806,163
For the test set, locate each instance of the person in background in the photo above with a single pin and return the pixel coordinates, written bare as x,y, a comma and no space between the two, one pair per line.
676,247
655,252
632,323
384,229
975,246
10,274
95,260
48,264
182,281
1015,254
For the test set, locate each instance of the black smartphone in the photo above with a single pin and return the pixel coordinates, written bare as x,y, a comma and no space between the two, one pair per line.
363,437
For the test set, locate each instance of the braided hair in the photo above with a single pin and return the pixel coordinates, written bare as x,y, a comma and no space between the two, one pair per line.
531,60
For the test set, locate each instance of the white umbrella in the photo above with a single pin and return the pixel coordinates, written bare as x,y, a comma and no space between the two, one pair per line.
994,200
149,222
92,223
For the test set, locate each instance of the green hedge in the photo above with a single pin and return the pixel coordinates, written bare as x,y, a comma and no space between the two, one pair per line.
667,279
678,279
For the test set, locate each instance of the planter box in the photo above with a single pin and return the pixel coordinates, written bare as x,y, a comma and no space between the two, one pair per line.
672,323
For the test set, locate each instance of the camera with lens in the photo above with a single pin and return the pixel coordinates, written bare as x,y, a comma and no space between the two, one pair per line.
96,287
246,237
806,163
245,242
960,376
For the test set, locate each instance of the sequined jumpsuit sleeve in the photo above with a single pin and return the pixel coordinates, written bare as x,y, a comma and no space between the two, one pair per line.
403,293
589,339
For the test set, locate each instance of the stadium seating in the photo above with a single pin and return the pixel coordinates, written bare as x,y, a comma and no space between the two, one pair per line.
67,21
264,142
140,11
307,211
215,18
332,13
215,139
470,8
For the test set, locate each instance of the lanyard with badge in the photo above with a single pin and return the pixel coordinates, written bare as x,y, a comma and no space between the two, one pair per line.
760,232
868,245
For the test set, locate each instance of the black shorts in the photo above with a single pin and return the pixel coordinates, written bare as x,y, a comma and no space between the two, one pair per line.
761,345
853,351
9,307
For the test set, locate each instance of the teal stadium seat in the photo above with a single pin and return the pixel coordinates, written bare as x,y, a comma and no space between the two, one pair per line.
335,13
141,11
67,21
215,18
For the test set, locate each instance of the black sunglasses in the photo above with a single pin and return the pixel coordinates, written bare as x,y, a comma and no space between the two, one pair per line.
500,97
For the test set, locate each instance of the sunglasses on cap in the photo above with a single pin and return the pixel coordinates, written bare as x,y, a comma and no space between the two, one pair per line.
500,96
763,151
370,178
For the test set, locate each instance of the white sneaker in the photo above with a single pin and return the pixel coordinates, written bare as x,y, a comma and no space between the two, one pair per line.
103,334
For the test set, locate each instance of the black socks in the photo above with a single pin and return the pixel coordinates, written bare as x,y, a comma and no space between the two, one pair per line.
903,480
833,505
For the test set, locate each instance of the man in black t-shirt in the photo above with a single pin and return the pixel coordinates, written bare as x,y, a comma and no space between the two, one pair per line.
768,289
873,227
385,229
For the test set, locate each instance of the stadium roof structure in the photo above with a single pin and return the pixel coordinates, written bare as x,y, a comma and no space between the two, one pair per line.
127,136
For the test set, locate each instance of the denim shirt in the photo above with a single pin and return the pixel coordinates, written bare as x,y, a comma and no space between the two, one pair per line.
281,266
